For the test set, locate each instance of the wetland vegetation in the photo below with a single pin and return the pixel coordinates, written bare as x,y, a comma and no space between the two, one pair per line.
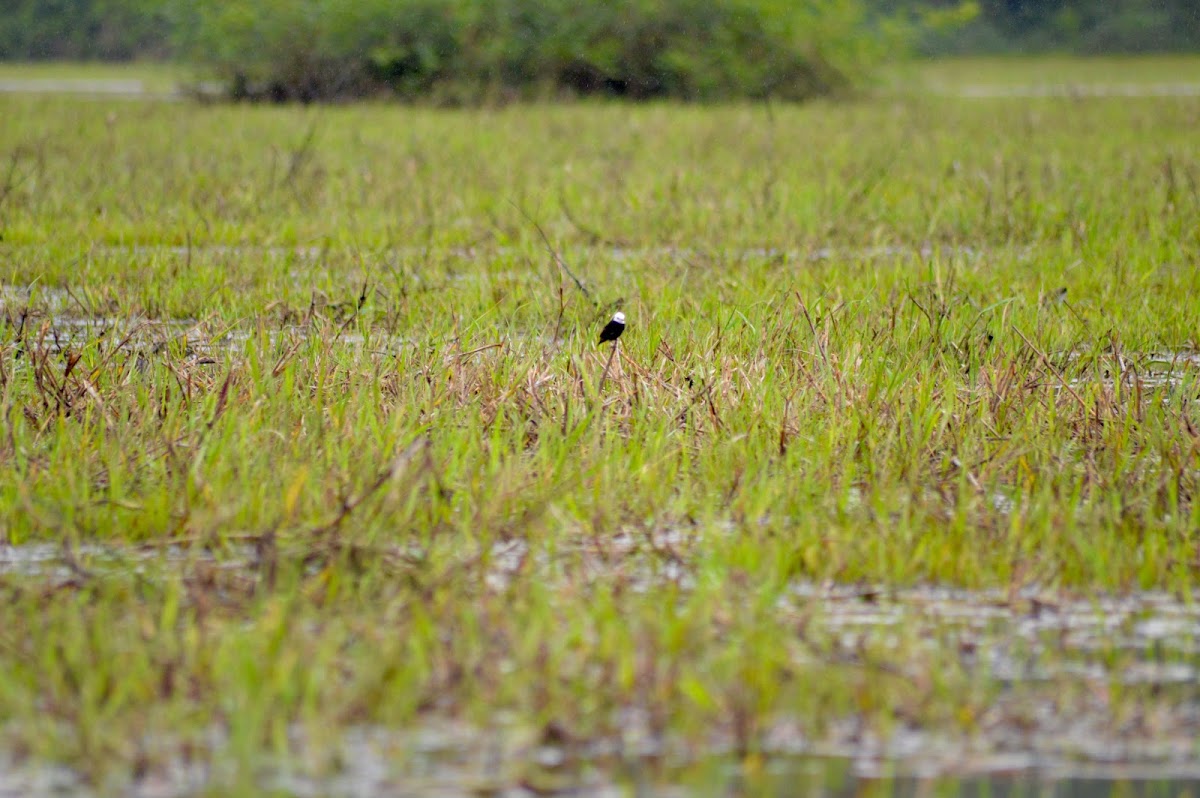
304,439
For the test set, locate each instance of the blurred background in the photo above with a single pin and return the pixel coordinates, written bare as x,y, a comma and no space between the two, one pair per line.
470,51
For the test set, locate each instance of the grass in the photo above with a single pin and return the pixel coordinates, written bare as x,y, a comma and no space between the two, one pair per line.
312,410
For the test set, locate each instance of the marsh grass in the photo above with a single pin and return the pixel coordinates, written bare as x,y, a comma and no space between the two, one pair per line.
326,366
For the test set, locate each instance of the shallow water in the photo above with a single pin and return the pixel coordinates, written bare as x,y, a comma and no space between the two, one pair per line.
112,88
1072,90
94,87
371,770
1029,644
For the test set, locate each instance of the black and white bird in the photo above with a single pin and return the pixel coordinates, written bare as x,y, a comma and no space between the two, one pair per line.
612,331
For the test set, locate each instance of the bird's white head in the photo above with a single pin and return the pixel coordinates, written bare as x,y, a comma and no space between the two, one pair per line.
619,317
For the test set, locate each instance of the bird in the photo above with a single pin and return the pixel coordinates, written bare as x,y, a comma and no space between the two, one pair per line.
612,331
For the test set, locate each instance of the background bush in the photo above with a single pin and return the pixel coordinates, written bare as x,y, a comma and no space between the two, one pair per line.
471,49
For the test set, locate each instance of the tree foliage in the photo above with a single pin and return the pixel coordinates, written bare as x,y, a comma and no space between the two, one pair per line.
84,29
1080,26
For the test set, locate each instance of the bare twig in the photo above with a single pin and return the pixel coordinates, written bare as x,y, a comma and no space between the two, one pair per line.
592,236
1049,366
300,156
397,466
477,350
562,264
604,375
837,375
362,300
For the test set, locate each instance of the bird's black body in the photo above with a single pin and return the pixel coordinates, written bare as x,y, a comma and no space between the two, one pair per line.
612,331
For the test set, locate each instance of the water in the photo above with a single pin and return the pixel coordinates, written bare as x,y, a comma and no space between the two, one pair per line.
372,772
1031,645
1074,91
116,88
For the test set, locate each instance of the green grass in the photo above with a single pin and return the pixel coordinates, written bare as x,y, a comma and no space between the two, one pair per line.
847,360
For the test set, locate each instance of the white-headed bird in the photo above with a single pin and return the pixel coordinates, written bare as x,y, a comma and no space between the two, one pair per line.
612,331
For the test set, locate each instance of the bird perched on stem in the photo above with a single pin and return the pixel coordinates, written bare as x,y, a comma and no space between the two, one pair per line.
612,331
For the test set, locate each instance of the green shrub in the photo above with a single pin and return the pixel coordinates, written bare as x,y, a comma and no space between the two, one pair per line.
469,49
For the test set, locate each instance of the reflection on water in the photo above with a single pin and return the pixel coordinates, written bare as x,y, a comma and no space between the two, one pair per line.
371,776
828,778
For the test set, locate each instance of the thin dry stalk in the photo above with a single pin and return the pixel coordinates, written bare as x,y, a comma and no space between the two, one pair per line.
604,375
